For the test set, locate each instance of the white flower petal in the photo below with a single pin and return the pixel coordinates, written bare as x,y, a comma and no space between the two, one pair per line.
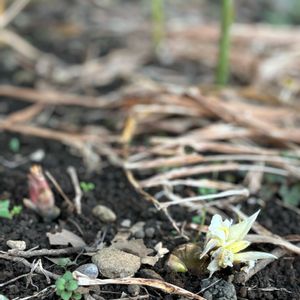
213,267
216,222
219,229
211,244
252,255
238,231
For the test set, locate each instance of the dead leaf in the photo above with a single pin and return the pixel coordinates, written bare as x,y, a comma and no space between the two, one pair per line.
64,238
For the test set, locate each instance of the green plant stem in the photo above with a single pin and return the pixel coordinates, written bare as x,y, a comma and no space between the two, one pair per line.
158,17
224,44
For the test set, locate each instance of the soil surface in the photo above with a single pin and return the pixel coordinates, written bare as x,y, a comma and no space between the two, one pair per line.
279,280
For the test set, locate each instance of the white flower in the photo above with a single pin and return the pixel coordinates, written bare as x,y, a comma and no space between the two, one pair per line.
225,241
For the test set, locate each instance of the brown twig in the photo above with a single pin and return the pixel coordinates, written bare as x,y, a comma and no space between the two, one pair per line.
204,169
12,12
78,192
49,252
53,97
38,269
60,190
154,283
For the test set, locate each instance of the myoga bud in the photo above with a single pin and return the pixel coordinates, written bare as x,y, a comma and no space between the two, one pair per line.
41,197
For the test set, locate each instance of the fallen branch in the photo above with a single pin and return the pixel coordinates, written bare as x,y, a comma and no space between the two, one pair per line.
169,288
243,193
204,169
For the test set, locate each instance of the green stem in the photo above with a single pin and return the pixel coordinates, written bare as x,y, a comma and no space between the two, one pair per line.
224,44
158,18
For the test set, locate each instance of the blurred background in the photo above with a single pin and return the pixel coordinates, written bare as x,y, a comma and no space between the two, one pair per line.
52,41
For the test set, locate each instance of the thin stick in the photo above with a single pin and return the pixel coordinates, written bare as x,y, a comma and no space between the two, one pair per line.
14,279
254,238
203,169
169,288
59,189
19,44
78,192
53,97
152,200
12,12
49,252
26,263
38,294
230,193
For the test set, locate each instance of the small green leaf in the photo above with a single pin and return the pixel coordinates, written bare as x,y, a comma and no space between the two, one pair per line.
72,285
206,191
14,145
290,195
60,283
76,296
4,209
68,276
197,220
65,295
64,262
16,210
87,186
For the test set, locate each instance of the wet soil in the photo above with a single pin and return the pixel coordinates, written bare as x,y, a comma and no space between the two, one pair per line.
280,280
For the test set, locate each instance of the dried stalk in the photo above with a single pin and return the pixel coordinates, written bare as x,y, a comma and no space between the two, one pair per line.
168,288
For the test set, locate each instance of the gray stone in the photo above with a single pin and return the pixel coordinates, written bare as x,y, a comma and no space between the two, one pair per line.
114,263
17,245
149,232
104,214
89,270
140,234
218,290
126,223
134,290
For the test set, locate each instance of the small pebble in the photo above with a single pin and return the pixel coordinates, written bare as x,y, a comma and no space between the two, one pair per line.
89,270
140,234
134,290
38,155
104,214
126,223
218,289
17,245
149,232
114,263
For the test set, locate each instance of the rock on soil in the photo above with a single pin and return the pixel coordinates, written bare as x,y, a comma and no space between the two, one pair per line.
221,290
90,270
114,263
104,214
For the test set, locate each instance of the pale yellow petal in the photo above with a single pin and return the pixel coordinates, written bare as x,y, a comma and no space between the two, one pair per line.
252,255
211,244
213,267
238,246
238,231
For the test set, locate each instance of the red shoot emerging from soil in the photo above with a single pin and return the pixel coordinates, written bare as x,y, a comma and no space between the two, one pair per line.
41,196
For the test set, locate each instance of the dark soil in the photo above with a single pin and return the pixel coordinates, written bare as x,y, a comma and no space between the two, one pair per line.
280,280
113,190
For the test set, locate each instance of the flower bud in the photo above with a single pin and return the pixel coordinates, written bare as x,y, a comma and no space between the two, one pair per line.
41,197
